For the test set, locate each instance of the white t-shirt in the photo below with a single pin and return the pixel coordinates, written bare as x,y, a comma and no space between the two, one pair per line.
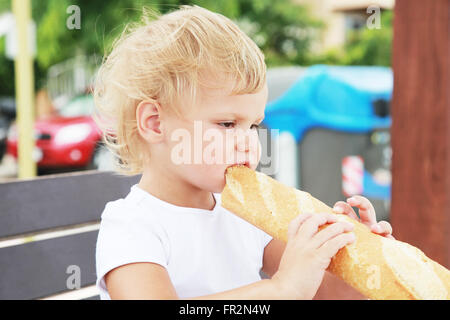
203,251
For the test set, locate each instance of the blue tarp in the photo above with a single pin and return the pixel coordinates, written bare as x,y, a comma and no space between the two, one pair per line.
336,98
333,97
373,189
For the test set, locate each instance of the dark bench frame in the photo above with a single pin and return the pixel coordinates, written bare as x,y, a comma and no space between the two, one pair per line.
39,268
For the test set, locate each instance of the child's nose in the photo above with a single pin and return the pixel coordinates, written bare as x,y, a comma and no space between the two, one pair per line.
247,141
242,144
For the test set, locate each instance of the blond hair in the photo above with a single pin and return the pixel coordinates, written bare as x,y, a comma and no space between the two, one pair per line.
163,59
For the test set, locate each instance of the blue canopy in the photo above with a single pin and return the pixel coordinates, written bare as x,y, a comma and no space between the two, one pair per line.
334,97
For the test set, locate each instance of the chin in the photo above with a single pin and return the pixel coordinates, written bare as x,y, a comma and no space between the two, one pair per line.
221,181
219,185
210,179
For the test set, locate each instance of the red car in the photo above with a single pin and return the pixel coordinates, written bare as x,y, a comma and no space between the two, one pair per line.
69,140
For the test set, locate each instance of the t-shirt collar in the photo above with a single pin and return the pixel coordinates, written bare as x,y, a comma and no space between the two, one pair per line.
146,196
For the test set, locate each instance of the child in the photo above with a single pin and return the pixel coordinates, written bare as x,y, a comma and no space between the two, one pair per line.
164,88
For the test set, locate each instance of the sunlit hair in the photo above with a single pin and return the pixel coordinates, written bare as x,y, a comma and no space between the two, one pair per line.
164,58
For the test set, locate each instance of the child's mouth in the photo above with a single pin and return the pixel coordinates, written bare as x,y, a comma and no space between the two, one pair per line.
247,164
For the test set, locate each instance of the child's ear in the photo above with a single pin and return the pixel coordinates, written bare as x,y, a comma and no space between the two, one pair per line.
148,121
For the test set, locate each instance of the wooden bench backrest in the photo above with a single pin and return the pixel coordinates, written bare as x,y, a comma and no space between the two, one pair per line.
50,223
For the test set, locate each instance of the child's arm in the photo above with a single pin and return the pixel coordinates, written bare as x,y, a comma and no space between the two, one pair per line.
151,281
140,281
305,258
331,287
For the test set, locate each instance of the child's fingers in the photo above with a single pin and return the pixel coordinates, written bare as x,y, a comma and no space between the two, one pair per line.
330,232
310,227
344,208
332,246
383,228
295,224
366,209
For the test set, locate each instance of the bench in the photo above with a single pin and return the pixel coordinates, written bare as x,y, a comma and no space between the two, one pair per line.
48,233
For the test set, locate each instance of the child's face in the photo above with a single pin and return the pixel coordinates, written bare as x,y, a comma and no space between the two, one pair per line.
220,130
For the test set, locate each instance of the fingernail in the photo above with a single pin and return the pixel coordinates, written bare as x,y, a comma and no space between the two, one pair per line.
338,209
377,228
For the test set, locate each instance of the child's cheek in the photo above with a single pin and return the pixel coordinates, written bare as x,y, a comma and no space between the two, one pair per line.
214,150
229,148
255,155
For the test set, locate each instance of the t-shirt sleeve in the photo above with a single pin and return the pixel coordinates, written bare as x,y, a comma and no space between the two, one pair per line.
123,239
265,238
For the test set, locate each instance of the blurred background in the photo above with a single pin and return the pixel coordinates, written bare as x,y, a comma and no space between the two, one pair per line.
329,78
328,126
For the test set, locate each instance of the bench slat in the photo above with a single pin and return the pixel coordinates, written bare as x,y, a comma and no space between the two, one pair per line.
62,200
38,269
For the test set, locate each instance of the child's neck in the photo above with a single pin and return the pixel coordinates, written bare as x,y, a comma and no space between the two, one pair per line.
173,190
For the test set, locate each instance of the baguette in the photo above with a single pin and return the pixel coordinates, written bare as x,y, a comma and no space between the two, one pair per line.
378,267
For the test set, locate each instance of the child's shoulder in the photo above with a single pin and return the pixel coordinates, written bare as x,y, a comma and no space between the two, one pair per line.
123,207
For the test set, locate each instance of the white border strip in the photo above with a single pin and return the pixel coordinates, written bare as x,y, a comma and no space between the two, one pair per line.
49,235
79,294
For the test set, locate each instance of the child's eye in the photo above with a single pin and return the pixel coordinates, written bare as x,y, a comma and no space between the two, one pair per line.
226,124
229,125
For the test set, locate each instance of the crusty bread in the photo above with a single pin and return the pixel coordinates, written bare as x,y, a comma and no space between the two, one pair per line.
378,267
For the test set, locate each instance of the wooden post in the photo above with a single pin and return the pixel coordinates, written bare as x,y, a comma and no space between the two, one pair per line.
420,212
24,89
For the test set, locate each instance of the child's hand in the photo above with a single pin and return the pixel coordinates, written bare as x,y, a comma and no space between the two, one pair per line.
367,214
308,253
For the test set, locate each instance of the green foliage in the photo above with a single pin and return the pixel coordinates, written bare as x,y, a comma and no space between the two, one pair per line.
363,47
52,36
371,46
6,72
281,28
98,21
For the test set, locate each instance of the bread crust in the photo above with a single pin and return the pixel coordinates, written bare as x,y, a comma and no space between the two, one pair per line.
378,267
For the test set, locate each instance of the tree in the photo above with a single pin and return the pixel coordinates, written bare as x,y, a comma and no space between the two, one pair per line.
371,46
281,28
363,47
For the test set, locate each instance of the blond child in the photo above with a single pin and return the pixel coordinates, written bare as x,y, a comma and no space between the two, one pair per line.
167,86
